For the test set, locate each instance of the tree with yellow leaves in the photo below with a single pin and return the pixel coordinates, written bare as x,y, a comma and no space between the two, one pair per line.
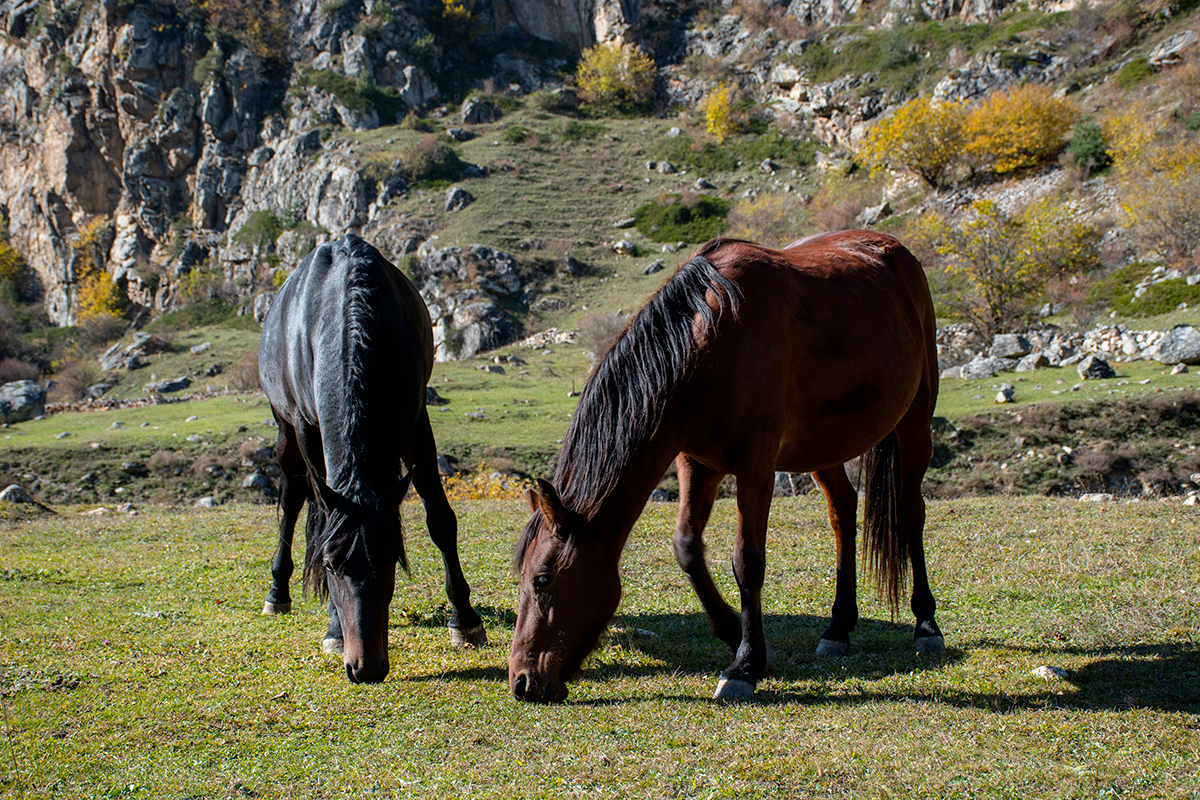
718,112
616,75
96,293
1005,260
1019,129
924,137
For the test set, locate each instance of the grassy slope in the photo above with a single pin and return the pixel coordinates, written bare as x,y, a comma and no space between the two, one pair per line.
136,664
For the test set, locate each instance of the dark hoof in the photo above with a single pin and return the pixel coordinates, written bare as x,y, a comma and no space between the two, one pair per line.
828,647
271,609
462,638
930,644
332,646
733,689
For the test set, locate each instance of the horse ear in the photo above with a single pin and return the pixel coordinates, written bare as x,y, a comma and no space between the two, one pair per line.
532,497
550,504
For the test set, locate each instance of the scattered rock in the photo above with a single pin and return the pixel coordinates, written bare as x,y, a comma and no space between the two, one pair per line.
703,183
1181,344
1050,673
163,387
460,134
197,349
257,481
1033,361
628,222
135,468
1179,369
15,494
1005,395
1096,497
625,247
1169,52
657,265
1094,368
659,496
457,198
432,398
873,215
477,111
1010,345
667,168
206,502
21,401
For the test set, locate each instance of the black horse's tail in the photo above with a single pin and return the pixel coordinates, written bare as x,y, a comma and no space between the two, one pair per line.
884,546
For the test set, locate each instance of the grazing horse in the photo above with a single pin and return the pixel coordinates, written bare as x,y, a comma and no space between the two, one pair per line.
347,349
748,360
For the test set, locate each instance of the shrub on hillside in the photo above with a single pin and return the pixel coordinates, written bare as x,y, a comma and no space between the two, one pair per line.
429,159
923,137
771,219
1015,130
1160,193
71,382
12,369
101,329
1006,261
261,25
244,375
1135,72
1089,147
687,217
620,76
719,118
598,331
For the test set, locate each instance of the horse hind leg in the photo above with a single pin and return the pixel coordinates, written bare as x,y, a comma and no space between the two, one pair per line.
842,500
466,628
916,448
293,491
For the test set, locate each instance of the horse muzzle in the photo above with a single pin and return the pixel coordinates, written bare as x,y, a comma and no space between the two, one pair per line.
530,688
368,671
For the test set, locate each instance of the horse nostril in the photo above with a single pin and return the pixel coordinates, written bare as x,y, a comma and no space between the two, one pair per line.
519,686
350,674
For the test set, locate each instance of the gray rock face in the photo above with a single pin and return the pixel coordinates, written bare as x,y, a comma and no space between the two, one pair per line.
14,493
1181,344
1094,368
1171,51
463,290
21,401
164,387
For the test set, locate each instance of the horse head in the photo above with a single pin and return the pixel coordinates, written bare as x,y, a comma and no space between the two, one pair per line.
354,560
570,588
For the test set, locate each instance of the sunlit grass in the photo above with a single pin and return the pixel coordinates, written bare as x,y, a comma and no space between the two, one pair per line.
136,664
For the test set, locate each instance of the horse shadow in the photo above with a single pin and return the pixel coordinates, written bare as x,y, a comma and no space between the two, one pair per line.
1150,676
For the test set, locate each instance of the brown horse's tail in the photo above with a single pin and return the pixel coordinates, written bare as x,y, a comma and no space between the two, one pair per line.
884,546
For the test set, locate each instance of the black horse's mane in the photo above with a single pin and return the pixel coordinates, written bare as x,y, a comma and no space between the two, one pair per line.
632,387
357,508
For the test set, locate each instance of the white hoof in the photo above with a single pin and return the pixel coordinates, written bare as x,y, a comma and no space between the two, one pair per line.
332,646
930,644
828,647
271,609
733,689
468,637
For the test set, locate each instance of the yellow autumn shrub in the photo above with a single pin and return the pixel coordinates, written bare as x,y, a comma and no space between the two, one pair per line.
616,75
921,136
718,112
96,295
1018,129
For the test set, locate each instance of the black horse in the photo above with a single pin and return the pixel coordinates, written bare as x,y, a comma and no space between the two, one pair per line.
347,349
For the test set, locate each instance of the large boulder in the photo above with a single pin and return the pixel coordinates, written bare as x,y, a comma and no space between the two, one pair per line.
1094,367
1010,345
1181,344
21,401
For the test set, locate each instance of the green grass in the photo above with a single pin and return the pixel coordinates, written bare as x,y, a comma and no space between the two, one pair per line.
136,664
958,397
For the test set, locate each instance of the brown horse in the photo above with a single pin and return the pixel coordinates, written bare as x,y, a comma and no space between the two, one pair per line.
346,352
748,360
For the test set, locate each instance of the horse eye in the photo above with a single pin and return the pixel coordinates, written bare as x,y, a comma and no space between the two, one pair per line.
542,581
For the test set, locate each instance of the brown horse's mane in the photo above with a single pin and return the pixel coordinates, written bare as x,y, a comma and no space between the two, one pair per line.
633,385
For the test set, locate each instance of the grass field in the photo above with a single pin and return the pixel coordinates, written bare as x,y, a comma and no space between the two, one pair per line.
136,664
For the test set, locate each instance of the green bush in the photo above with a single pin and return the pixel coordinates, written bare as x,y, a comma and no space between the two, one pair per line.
1192,123
1134,73
1088,147
429,161
575,131
262,228
713,158
1160,298
676,220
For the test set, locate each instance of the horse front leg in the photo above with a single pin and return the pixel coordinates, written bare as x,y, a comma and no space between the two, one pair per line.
293,491
752,661
697,491
843,504
466,628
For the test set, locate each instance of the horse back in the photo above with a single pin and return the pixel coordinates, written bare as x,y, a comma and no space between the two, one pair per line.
347,350
834,341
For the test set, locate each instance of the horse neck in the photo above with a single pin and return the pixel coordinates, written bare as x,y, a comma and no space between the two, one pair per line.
619,510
